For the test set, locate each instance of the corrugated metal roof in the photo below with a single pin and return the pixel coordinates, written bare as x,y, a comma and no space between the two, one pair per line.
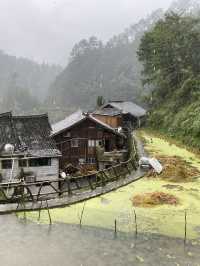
128,107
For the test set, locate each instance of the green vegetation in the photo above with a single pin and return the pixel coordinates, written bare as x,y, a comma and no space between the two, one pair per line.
110,69
163,219
171,59
100,101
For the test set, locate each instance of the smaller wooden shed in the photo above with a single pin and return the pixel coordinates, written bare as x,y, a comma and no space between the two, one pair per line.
133,115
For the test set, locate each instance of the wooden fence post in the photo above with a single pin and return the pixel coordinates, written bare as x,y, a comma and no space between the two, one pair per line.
136,227
116,174
69,187
50,221
82,212
40,210
115,233
185,236
103,181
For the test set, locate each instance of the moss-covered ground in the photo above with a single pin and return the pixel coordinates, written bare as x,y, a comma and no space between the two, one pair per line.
165,219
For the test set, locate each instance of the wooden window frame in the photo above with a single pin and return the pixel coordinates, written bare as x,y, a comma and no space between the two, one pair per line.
7,166
23,163
74,143
40,162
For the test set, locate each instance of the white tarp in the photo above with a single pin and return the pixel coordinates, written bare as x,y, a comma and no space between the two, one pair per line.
154,163
144,161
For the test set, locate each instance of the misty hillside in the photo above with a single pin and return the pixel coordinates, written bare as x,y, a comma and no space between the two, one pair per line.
24,83
111,70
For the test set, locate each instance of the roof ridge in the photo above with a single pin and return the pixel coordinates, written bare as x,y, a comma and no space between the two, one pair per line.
9,113
30,116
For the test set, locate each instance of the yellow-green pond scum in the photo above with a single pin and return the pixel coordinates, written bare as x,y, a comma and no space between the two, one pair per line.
165,219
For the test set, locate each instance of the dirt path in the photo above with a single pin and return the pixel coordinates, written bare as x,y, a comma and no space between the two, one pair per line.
140,146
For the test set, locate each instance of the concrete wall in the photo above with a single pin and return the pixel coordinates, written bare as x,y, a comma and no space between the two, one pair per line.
41,172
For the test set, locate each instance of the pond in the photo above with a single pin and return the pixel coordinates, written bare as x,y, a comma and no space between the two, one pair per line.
30,244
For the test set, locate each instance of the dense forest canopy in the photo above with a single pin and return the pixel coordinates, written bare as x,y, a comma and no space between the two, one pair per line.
171,59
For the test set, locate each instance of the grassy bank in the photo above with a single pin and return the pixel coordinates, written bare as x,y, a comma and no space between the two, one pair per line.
164,219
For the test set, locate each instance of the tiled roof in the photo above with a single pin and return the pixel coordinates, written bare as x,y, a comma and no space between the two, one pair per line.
30,135
76,118
128,107
107,112
67,122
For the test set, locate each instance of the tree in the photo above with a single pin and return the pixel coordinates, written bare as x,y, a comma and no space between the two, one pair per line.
100,101
170,55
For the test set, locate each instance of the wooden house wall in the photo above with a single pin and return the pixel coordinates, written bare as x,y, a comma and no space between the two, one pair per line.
85,131
113,121
129,120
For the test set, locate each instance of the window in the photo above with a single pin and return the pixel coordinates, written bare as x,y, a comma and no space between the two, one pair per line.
91,143
74,143
94,143
23,163
40,162
91,160
6,164
68,135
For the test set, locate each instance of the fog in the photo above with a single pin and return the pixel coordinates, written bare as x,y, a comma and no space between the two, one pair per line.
46,30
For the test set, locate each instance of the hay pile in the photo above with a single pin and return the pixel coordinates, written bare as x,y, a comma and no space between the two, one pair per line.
175,170
154,199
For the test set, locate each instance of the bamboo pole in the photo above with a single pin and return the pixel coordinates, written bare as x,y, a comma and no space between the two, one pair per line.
82,212
136,227
185,235
40,211
50,221
115,233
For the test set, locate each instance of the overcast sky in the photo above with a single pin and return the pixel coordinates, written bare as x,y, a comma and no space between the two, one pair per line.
46,30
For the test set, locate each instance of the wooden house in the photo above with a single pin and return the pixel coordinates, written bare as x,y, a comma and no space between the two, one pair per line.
132,115
26,145
109,116
82,137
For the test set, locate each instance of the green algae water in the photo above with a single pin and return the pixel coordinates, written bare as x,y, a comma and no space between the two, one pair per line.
165,220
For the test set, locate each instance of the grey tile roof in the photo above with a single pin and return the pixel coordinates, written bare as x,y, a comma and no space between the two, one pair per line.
128,107
107,112
29,135
67,122
77,117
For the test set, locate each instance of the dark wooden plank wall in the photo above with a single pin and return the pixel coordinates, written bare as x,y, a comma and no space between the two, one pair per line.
113,121
86,130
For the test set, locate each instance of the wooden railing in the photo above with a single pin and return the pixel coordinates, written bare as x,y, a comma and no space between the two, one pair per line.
42,190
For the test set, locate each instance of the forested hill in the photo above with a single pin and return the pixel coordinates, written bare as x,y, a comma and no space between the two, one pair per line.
111,70
171,59
24,83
